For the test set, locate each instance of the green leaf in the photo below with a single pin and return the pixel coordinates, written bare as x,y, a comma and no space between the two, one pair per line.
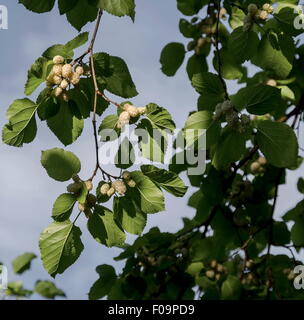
38,5
78,41
66,5
190,7
172,57
130,217
60,246
117,7
60,164
23,262
231,288
147,196
58,49
242,45
73,124
81,14
196,64
153,142
275,54
159,117
22,127
258,99
281,234
300,185
105,282
297,234
47,289
63,206
108,124
120,82
230,69
211,89
168,180
37,74
278,143
202,123
104,229
231,147
47,107
125,155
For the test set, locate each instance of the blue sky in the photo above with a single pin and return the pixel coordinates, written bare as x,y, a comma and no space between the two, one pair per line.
27,193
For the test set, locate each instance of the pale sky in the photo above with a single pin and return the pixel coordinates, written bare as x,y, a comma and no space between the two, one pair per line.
27,192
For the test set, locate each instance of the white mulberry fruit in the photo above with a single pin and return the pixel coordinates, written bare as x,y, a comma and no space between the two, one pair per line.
57,80
57,70
262,161
82,207
126,175
104,188
65,96
89,185
58,60
271,82
79,70
255,167
131,183
124,119
133,111
210,274
267,7
263,15
111,192
75,78
57,92
64,84
119,186
67,70
142,110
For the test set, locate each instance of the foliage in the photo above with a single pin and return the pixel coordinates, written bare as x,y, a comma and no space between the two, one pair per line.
226,250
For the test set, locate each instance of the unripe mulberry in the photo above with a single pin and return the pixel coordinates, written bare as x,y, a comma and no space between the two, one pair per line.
89,185
104,188
131,183
227,106
64,84
74,187
57,70
248,21
252,8
119,186
142,110
220,268
79,70
111,192
75,177
126,175
75,78
254,167
57,92
245,120
133,111
91,200
67,70
58,60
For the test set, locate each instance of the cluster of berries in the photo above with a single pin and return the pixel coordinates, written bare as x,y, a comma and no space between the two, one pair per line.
258,166
232,117
129,111
76,187
119,186
241,193
62,76
255,14
216,270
